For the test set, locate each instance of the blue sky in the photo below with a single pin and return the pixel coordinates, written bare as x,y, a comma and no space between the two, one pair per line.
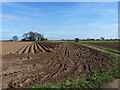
60,20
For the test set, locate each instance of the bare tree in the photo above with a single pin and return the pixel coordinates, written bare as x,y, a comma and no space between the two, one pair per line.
102,38
33,36
25,35
15,38
38,36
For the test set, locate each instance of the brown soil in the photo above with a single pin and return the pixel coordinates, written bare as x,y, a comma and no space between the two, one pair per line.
102,50
38,63
112,45
26,47
11,46
113,84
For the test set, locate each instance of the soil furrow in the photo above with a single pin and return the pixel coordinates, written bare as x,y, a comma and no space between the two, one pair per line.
42,49
22,50
65,61
38,47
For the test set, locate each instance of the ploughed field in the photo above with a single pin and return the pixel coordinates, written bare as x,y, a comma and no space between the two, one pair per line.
111,45
29,64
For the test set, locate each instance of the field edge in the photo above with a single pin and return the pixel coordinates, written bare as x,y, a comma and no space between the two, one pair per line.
96,80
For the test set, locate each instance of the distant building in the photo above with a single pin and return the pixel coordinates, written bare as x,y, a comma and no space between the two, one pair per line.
77,39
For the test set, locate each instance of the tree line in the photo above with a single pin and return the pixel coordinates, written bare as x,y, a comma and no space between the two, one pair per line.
30,36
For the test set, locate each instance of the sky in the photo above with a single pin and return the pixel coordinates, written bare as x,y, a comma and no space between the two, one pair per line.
60,20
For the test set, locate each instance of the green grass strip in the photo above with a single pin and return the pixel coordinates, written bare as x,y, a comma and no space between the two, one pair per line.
107,49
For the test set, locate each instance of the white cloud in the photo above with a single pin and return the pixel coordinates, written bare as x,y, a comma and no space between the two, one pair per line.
60,27
20,11
68,27
115,25
104,26
22,8
19,6
28,13
9,16
22,19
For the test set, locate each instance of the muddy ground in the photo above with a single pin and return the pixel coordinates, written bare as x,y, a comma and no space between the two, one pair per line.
37,63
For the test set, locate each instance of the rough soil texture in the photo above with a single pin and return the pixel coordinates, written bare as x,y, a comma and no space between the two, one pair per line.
112,45
113,84
38,63
102,50
8,47
26,47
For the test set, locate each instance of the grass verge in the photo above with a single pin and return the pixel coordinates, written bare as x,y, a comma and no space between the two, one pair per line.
107,49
